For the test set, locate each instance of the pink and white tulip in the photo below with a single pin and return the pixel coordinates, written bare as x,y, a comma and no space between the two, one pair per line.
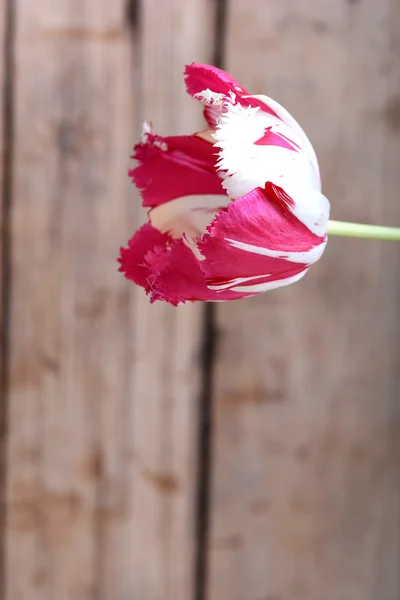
234,210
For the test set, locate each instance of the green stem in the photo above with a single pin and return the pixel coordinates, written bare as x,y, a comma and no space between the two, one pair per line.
376,232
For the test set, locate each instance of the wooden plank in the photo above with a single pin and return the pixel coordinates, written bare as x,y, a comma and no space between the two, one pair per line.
2,88
101,450
305,486
3,270
158,536
2,160
72,124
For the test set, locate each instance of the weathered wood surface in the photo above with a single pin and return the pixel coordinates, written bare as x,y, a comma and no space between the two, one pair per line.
103,387
3,242
3,17
305,486
2,91
102,404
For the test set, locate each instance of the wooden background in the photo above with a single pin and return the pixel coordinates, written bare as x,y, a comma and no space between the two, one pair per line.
244,452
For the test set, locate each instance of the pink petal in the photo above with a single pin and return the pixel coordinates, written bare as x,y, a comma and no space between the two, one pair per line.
271,138
211,114
255,103
176,277
174,166
133,259
258,239
202,77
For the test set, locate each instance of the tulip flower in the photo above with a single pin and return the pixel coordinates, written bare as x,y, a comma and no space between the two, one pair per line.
234,210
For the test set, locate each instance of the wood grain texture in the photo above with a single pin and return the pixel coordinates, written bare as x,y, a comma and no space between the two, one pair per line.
165,375
3,292
3,7
2,89
306,489
104,387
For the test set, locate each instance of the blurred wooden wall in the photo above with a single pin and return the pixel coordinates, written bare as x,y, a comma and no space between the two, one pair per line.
115,485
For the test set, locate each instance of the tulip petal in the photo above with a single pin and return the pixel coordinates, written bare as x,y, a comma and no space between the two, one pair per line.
291,122
257,240
256,148
170,167
202,77
189,215
212,86
212,114
133,259
176,277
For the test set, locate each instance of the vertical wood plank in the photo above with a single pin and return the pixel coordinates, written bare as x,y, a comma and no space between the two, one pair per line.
73,116
104,387
158,534
306,486
3,7
2,89
3,292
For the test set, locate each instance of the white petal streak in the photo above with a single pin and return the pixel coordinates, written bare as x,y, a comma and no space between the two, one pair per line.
308,257
269,285
188,214
248,165
310,206
237,281
293,124
191,244
210,98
